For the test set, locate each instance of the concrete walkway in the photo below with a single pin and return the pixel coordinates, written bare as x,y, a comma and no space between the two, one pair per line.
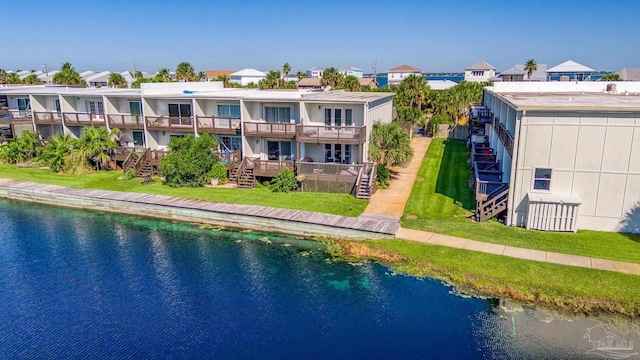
390,203
392,200
519,253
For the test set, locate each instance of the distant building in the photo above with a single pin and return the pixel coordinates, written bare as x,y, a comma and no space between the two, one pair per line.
370,82
479,71
397,74
315,72
351,71
571,71
246,76
100,79
629,74
441,84
214,74
315,83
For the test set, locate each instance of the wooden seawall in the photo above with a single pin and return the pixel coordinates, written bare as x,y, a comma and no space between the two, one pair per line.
263,218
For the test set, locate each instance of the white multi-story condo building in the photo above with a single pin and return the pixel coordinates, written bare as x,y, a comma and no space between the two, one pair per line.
323,135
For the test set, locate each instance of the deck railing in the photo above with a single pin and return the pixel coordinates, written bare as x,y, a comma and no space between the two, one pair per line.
328,169
155,156
48,117
272,130
125,121
219,125
83,119
331,134
121,153
169,123
15,114
270,168
505,137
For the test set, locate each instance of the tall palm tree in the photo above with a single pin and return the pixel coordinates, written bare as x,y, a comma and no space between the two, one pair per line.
530,67
225,80
201,76
95,144
185,72
32,79
300,75
272,81
286,69
116,80
412,92
331,77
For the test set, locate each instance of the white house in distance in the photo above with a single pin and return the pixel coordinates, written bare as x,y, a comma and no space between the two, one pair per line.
351,71
561,156
571,71
246,76
315,72
324,135
479,71
629,74
397,74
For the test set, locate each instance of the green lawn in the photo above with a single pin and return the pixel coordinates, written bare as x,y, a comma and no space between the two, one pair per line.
441,202
338,204
572,288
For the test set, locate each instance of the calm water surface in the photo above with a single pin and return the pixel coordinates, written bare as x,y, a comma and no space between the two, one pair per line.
77,284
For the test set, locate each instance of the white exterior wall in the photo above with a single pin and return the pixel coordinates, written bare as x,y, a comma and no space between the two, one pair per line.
315,113
245,80
488,74
594,156
397,77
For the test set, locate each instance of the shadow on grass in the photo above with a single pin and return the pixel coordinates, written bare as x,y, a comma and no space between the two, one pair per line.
630,225
453,175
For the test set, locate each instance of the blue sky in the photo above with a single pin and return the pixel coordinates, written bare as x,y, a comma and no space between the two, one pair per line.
432,35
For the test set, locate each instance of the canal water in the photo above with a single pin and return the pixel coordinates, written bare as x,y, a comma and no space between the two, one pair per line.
79,284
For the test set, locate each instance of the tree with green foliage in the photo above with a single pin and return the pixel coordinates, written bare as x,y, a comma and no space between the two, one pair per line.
350,83
56,150
189,160
285,181
611,77
3,76
23,149
185,72
32,79
163,75
411,92
530,67
136,83
300,75
286,69
68,76
201,76
226,80
116,80
390,145
272,81
219,172
95,145
12,78
411,115
331,77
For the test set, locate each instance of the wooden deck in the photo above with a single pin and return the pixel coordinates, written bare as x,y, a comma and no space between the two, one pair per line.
243,216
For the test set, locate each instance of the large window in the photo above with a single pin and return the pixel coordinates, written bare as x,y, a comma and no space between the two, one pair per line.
229,110
277,114
279,150
542,179
179,110
348,117
338,117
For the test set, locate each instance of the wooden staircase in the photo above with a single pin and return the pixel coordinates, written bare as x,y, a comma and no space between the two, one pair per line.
143,166
130,161
242,174
493,204
366,181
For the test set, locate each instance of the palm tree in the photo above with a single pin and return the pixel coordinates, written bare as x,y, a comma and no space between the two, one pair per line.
12,78
530,67
225,80
32,79
272,81
184,71
116,80
331,77
96,143
300,75
163,75
412,92
286,68
202,76
56,150
390,145
68,76
610,77
350,83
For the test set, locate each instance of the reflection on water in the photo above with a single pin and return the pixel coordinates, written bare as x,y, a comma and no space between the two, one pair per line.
84,284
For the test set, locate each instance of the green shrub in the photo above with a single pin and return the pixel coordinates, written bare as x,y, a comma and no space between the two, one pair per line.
219,171
383,176
285,181
129,174
189,161
438,120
